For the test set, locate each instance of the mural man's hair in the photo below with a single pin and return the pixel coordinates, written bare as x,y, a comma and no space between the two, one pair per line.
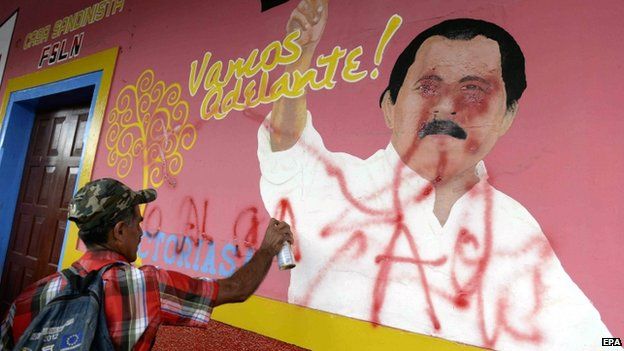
512,59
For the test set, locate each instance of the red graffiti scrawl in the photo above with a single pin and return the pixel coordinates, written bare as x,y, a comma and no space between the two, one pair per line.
389,227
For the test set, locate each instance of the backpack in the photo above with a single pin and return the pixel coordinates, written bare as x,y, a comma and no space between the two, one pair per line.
73,320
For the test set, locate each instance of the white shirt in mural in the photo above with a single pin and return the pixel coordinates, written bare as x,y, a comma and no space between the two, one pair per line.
370,247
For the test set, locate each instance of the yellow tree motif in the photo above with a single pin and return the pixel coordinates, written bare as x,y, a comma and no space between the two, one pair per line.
149,120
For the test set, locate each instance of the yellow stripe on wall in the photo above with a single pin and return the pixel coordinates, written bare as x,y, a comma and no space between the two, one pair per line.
318,330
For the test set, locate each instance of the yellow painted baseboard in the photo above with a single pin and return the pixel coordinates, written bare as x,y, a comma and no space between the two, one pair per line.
318,330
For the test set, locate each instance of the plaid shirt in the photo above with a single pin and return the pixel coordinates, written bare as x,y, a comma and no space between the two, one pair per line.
137,301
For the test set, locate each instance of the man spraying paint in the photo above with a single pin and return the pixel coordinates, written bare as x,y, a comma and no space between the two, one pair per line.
415,237
137,300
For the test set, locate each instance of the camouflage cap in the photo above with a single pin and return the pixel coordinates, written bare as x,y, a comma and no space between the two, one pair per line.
101,201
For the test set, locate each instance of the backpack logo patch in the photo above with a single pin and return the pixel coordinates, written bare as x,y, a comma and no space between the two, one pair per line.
71,341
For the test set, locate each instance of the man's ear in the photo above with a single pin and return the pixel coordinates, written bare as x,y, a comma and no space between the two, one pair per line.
118,232
508,119
387,106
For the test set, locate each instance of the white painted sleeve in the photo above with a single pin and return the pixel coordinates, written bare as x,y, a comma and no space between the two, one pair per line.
572,321
288,173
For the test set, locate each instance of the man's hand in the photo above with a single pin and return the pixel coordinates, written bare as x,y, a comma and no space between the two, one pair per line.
246,280
276,233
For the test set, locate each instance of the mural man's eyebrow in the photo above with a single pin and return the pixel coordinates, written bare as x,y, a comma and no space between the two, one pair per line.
474,78
430,77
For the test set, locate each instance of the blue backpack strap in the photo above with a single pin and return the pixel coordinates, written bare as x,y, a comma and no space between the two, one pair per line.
102,340
77,284
93,275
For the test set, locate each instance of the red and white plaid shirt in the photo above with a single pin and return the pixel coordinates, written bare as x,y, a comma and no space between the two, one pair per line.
136,300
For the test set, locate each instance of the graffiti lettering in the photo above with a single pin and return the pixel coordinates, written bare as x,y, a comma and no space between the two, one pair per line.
284,212
250,216
468,260
194,249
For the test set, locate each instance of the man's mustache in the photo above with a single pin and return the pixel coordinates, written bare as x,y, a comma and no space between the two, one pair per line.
443,126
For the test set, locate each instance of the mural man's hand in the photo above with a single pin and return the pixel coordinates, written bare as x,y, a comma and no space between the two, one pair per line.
289,115
310,18
276,233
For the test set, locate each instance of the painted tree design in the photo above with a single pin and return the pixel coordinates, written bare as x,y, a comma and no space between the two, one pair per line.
149,122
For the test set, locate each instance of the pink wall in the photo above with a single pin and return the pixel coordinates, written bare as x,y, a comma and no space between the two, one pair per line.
562,158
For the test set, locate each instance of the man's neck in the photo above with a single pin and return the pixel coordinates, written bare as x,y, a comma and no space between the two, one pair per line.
99,247
103,247
449,191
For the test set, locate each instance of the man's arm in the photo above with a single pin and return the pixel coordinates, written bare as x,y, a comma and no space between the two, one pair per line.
288,117
246,280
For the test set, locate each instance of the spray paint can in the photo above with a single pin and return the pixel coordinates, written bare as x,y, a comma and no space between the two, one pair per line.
285,258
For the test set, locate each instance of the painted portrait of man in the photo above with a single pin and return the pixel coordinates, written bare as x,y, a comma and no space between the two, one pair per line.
415,237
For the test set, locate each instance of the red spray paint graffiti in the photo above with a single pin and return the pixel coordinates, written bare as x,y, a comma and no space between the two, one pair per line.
463,294
249,215
284,212
195,223
195,226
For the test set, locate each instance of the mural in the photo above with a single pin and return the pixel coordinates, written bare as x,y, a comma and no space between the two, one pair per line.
430,187
414,236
